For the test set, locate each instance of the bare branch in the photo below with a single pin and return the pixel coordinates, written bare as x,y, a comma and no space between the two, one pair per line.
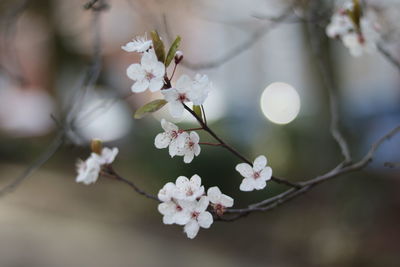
57,142
110,173
395,62
316,38
292,193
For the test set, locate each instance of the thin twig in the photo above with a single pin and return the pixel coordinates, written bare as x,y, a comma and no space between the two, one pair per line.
316,38
109,172
39,162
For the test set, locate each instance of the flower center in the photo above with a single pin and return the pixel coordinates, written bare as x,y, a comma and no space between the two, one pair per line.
149,75
182,97
195,214
178,208
256,175
191,144
174,134
189,192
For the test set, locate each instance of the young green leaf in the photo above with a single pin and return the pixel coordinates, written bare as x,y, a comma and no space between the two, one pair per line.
172,50
150,107
158,46
355,14
197,110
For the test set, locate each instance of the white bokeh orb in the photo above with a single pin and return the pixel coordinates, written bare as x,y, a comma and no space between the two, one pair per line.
280,103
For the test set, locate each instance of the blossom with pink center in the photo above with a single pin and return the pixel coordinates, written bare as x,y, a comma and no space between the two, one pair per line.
174,212
172,137
189,190
149,74
256,176
219,201
187,90
191,147
199,217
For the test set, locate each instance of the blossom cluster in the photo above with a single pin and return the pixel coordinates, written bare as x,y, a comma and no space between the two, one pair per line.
358,33
149,74
185,203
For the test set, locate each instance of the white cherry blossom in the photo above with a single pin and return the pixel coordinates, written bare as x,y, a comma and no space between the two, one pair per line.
187,90
219,201
175,212
340,25
139,44
191,147
172,137
255,176
365,42
189,190
199,217
167,193
108,155
88,170
149,74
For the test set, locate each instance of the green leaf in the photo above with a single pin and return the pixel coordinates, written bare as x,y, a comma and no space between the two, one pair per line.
158,46
150,107
197,110
172,50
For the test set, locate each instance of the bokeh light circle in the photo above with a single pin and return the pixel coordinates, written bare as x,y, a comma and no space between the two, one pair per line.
280,103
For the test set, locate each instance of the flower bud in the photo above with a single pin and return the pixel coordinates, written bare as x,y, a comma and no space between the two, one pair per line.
96,146
178,57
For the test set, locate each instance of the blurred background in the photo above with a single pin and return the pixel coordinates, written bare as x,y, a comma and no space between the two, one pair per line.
49,84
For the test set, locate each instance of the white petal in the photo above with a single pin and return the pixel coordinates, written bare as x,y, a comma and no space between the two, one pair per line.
245,169
156,84
174,149
184,83
171,94
182,182
167,208
169,219
205,219
162,140
214,194
189,156
191,229
148,60
158,69
135,72
166,192
108,155
202,204
195,181
194,137
196,150
247,185
182,218
259,184
140,86
266,174
168,126
176,109
259,163
226,201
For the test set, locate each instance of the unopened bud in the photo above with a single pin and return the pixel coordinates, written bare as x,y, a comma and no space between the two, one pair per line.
178,57
96,146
